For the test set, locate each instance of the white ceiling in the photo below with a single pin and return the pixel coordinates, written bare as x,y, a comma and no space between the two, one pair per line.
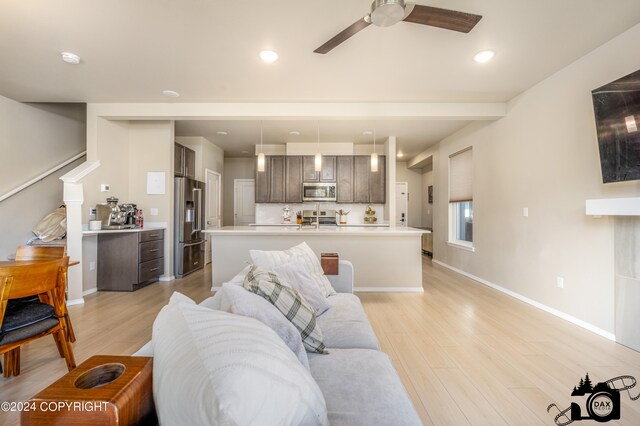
208,49
413,136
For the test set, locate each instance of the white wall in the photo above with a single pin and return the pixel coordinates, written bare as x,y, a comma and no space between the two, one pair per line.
36,137
33,139
414,181
543,155
234,168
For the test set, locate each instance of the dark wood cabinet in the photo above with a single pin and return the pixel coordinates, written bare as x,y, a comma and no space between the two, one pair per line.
309,173
282,180
327,174
344,179
184,161
378,183
368,186
277,177
361,178
128,261
293,182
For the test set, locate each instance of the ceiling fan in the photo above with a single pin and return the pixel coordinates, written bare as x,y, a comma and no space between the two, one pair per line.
385,13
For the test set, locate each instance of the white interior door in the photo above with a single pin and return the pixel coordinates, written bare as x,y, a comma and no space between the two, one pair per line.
213,210
244,202
402,203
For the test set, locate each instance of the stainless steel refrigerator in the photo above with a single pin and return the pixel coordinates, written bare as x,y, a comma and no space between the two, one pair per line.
189,217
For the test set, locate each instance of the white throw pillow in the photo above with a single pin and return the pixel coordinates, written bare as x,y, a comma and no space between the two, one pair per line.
295,273
269,260
237,300
212,367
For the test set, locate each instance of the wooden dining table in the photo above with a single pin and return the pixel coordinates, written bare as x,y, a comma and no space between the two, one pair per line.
11,263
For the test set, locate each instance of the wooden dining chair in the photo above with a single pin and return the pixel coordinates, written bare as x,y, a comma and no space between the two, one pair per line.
47,253
32,319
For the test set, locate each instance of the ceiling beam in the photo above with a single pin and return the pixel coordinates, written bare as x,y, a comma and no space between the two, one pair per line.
301,111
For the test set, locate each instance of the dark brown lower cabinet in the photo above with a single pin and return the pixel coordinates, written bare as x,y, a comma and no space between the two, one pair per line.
128,261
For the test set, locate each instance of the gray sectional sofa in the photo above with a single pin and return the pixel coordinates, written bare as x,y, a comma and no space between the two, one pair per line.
358,381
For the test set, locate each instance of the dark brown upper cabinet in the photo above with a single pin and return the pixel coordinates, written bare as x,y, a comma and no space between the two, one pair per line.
344,181
368,186
327,174
277,178
293,184
184,161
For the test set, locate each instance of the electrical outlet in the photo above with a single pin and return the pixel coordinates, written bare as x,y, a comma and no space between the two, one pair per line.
92,266
525,212
92,211
153,211
105,187
560,282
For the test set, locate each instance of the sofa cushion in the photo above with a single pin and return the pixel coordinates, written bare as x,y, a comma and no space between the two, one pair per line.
296,274
290,303
212,367
345,324
237,300
361,387
302,252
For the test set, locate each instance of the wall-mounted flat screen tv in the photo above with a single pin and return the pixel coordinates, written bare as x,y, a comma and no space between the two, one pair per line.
617,110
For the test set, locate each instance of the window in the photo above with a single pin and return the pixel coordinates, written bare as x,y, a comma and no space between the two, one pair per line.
461,199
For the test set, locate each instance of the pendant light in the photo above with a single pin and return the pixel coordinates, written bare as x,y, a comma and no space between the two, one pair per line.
374,154
261,159
318,162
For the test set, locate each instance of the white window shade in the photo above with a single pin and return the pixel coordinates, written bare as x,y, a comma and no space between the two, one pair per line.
461,176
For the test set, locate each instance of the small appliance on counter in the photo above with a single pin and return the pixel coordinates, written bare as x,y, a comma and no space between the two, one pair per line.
326,217
114,216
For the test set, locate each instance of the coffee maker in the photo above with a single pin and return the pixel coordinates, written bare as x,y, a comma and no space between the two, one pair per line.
114,216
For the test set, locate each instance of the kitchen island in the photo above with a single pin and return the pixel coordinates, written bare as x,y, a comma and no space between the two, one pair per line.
384,258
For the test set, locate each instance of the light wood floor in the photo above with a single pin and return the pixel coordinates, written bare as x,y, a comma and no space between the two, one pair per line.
466,353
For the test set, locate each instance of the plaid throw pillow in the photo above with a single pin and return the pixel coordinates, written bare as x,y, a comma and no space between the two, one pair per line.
290,303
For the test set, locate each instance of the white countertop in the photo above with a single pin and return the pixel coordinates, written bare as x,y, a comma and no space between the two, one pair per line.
324,230
119,231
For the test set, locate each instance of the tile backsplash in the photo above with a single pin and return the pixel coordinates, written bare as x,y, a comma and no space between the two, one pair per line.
272,213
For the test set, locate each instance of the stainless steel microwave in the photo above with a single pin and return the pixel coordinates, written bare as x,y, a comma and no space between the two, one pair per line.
313,191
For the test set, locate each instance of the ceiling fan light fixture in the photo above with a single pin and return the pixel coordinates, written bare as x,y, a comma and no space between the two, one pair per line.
484,56
385,13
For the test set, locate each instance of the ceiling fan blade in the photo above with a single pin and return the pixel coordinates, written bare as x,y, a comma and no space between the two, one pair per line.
343,35
441,18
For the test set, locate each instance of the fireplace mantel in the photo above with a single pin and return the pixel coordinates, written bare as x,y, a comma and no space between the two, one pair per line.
613,207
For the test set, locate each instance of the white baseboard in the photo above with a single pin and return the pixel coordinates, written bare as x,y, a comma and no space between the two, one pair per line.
90,291
552,311
167,278
75,302
388,290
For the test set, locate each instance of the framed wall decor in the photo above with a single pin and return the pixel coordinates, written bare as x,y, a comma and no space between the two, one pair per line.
430,194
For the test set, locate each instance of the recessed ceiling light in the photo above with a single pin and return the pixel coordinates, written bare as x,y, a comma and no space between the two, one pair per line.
222,133
268,56
367,133
484,56
399,155
170,93
70,58
294,133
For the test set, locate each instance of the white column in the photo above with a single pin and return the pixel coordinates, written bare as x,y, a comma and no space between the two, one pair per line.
73,199
390,206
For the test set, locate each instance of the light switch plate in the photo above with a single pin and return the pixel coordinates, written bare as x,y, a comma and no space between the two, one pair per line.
560,282
153,211
525,212
105,187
